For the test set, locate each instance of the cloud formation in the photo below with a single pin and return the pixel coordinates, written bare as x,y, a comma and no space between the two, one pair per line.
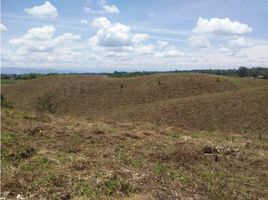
105,8
40,39
239,42
116,45
83,21
221,26
3,28
114,35
47,10
199,41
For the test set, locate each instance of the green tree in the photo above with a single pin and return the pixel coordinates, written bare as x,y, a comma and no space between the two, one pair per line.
242,71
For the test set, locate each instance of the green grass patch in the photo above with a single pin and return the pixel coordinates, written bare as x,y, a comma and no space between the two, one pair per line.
86,190
128,160
38,163
113,186
8,138
174,173
7,81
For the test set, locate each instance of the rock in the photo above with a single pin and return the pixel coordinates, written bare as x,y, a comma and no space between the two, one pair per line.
19,197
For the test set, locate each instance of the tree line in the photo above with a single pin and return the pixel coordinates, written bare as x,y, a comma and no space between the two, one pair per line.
255,72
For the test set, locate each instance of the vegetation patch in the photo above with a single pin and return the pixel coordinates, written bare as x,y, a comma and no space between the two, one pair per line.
172,172
47,103
8,138
115,185
37,163
86,190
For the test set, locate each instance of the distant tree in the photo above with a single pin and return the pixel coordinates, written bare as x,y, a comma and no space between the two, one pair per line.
265,74
242,71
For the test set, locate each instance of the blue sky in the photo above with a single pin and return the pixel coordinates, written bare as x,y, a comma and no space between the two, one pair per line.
133,35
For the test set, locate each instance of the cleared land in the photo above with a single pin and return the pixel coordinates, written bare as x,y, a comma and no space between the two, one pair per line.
165,136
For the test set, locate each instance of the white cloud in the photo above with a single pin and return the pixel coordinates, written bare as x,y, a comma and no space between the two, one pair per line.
164,50
239,42
114,44
162,44
34,34
83,21
66,37
47,10
144,49
221,26
139,38
105,8
169,53
258,52
3,28
40,39
108,8
114,35
101,22
199,41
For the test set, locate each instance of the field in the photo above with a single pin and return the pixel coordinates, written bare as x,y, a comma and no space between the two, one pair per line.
162,136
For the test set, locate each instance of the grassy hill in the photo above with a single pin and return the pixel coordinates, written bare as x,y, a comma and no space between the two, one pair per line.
162,136
190,101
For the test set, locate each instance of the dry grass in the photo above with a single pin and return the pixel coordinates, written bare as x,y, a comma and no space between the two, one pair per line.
193,136
189,101
47,157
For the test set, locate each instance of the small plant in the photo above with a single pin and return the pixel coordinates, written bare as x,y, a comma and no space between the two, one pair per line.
86,191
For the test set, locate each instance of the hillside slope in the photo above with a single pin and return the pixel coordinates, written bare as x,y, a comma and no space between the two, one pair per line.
192,101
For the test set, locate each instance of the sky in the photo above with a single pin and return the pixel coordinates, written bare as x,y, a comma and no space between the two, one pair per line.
108,35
